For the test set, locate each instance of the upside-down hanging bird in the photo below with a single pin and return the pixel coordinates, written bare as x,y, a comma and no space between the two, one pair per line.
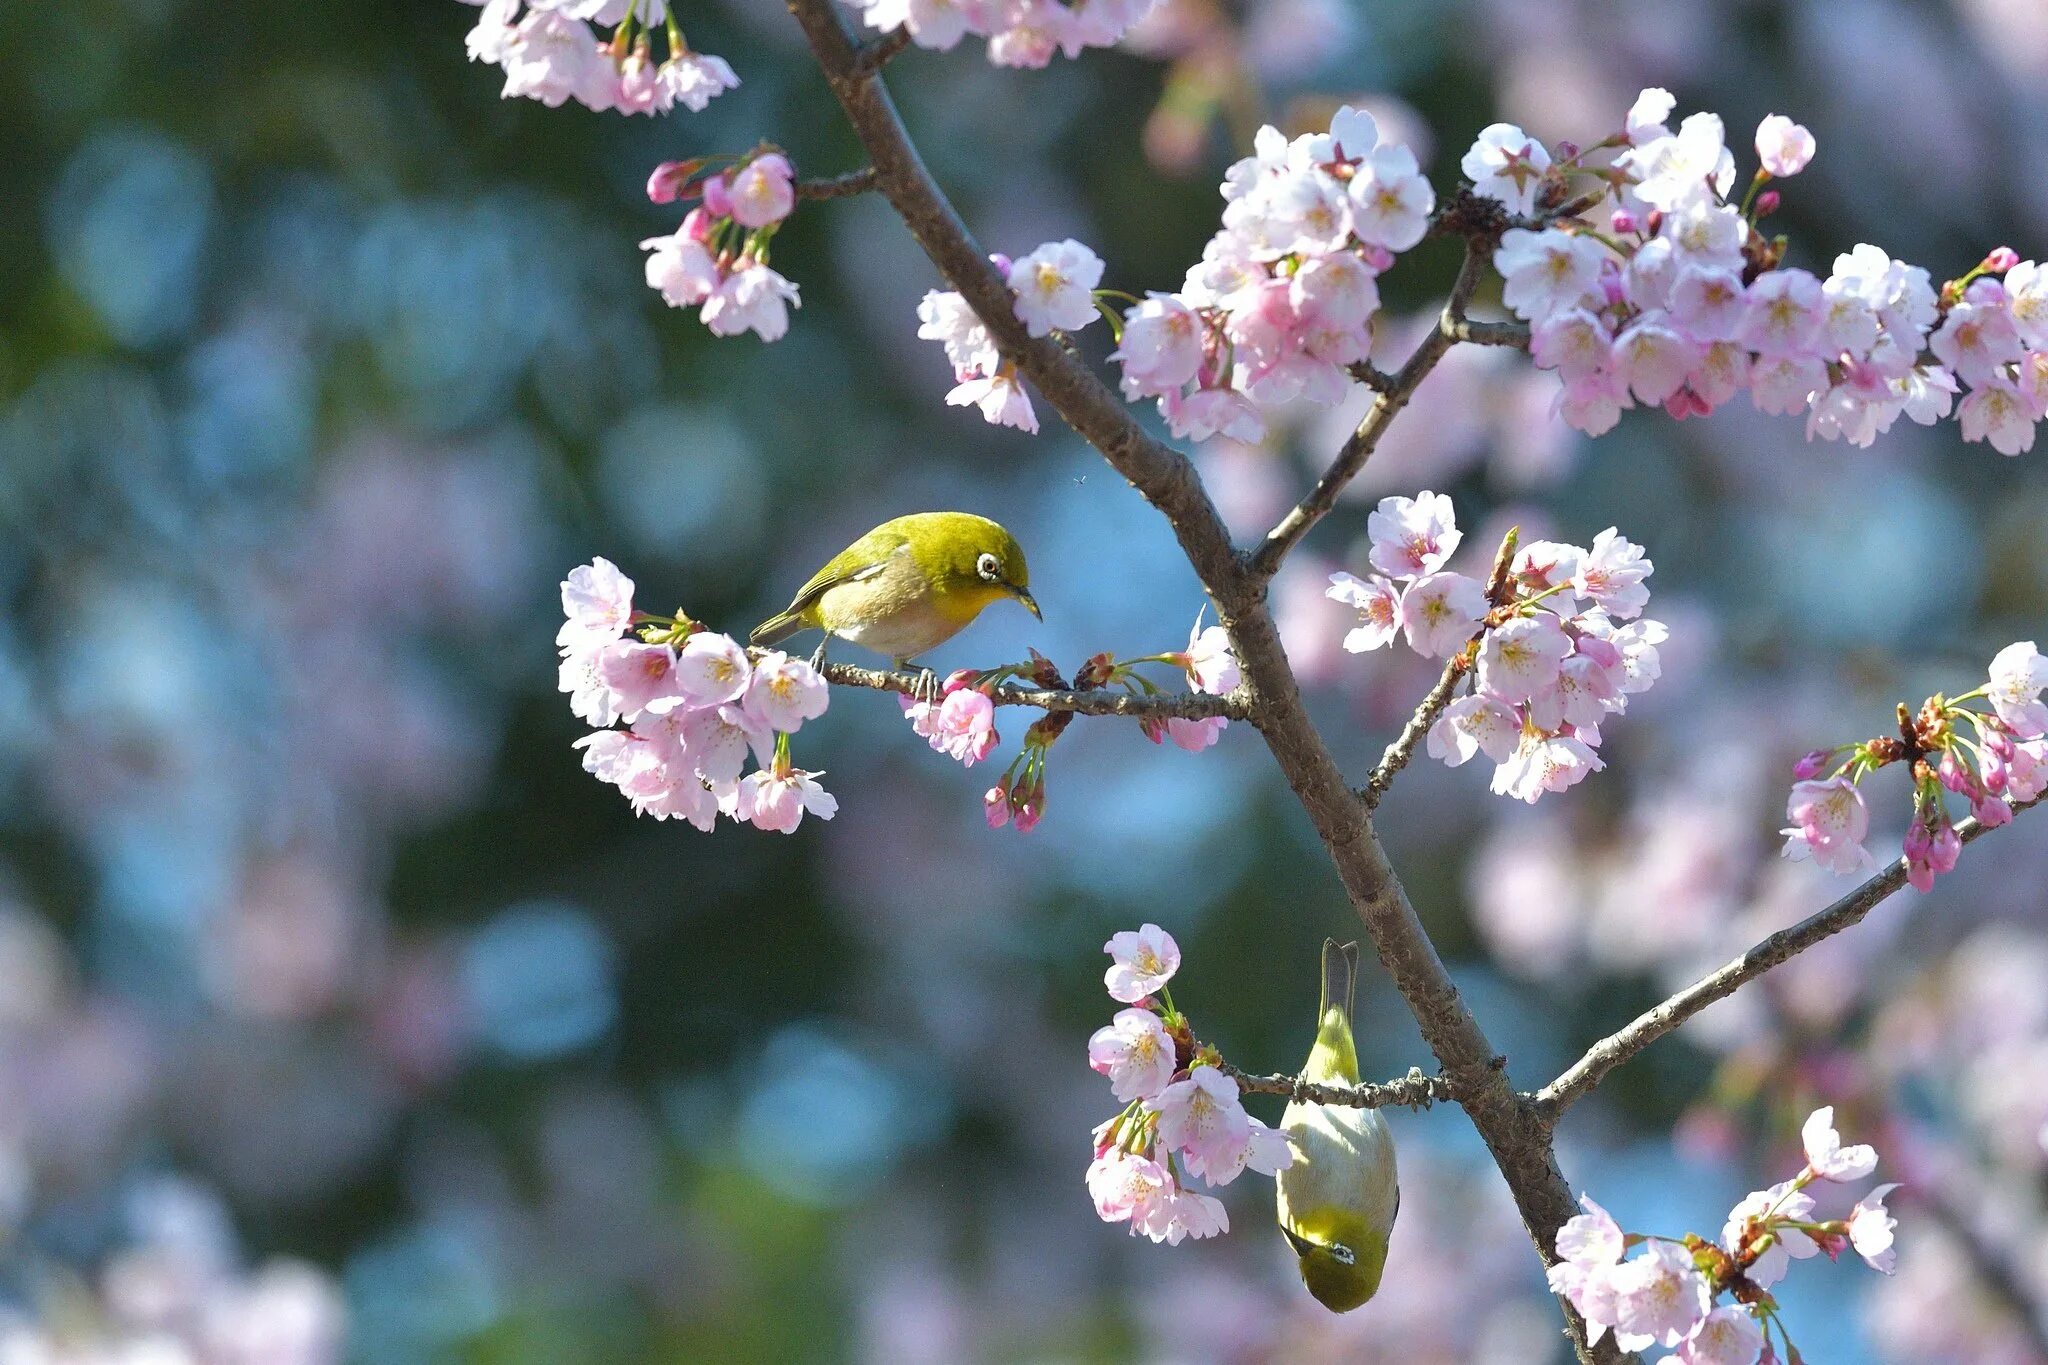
1338,1200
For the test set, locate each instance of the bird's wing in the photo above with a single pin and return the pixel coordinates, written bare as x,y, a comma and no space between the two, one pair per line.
857,563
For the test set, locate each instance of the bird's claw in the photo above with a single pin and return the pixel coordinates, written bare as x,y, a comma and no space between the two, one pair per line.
818,655
926,689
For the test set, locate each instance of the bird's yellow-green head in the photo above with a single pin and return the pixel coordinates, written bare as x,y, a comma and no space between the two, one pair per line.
1341,1259
971,561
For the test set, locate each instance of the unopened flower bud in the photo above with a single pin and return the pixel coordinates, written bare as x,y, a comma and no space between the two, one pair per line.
1623,221
1767,203
718,197
1811,765
956,680
697,224
995,805
666,181
2000,260
1654,224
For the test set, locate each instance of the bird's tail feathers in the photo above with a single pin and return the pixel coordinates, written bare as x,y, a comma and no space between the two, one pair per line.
776,629
1335,1055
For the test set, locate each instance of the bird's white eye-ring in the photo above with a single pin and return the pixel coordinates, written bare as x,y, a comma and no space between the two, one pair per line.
989,567
1340,1252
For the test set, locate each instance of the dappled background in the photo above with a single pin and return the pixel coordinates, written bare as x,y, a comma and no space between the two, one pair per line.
332,990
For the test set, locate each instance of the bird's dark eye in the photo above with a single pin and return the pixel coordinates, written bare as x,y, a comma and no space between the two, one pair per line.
1340,1252
989,567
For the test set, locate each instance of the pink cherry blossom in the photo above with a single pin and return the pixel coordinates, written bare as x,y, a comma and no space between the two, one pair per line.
1390,200
1658,1296
1413,536
591,698
1161,351
1134,1051
1054,285
694,79
1507,164
1829,825
1612,574
1475,724
1783,314
1378,603
763,191
1195,735
944,316
1000,397
1129,1188
712,669
1142,961
1545,763
1730,1335
1784,147
1202,1118
1211,662
598,601
1870,1230
752,298
777,801
1779,1203
681,269
1996,411
784,693
1546,272
1653,357
2018,676
1574,342
642,677
1440,611
964,727
1826,1157
1521,657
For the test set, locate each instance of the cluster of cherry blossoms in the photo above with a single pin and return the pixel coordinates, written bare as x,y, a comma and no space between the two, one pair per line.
1282,302
1182,1116
960,722
550,53
717,260
1665,1294
1682,301
1551,648
1055,291
2001,762
1019,32
694,704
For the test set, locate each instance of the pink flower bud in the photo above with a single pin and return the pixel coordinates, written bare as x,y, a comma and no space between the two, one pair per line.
1767,203
1955,774
957,679
1655,223
718,197
1001,262
666,181
1991,812
1568,150
2001,260
1811,765
697,224
1154,729
1947,846
1622,222
995,805
1028,816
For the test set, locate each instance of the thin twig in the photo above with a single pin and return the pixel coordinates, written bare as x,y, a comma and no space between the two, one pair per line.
870,58
1610,1052
1412,1091
1438,697
1391,397
837,186
1088,702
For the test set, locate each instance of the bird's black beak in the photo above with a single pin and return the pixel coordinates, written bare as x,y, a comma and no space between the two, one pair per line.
1030,602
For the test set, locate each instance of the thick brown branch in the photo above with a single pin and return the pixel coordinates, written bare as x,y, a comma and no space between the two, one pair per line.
1391,397
1611,1051
1412,1091
837,186
1513,1133
1093,702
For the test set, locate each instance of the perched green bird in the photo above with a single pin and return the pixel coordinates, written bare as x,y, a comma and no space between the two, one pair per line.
907,586
1338,1200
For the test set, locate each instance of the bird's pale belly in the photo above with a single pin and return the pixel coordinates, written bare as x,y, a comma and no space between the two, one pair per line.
878,615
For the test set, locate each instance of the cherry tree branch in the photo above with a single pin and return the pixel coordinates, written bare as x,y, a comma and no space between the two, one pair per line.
1393,395
837,186
1086,702
1515,1135
1610,1052
1412,1091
